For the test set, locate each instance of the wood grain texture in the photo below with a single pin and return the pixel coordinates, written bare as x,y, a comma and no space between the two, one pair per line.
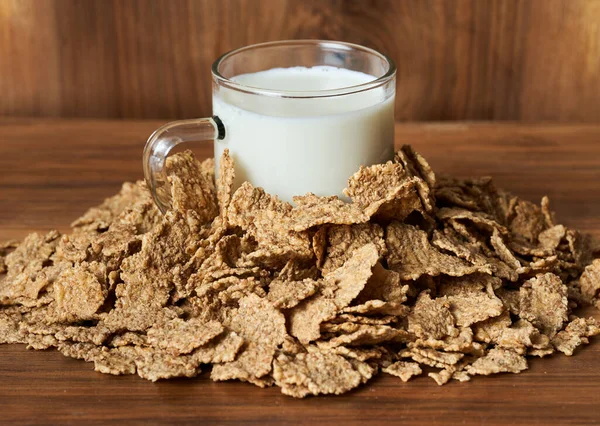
53,170
523,60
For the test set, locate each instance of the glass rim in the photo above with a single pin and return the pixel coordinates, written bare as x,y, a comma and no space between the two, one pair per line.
303,94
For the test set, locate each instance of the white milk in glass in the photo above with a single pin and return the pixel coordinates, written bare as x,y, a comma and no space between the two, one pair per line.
291,146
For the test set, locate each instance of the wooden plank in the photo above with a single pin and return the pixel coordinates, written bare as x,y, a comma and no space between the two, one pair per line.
52,170
527,60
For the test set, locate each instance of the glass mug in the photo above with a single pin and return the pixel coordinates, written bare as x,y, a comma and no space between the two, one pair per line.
297,116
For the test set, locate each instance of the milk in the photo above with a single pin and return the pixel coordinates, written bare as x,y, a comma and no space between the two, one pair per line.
291,146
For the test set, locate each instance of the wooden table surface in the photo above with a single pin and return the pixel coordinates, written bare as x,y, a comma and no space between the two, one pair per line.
51,171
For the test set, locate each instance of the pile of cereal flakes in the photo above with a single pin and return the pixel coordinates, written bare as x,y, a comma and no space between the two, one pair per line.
452,277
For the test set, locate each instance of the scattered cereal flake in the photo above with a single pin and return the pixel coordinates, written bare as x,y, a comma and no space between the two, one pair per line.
468,301
383,285
511,299
24,264
114,245
314,373
431,318
503,252
153,365
551,237
462,343
74,248
583,247
192,188
442,377
479,219
411,255
403,369
365,334
128,338
96,335
452,241
372,184
366,370
294,270
9,326
267,220
106,360
528,221
257,320
305,319
287,294
113,361
78,294
312,210
351,278
416,166
384,191
589,282
360,354
543,302
292,346
140,301
498,360
379,307
319,245
342,241
222,349
251,364
575,334
225,181
518,336
488,330
432,357
361,319
177,336
473,308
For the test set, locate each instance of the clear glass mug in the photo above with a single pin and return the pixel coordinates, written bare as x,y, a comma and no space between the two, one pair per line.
290,142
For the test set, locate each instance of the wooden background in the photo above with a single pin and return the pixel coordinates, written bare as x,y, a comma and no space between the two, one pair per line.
525,60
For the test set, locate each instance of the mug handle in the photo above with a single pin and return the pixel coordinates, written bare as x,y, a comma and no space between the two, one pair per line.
161,142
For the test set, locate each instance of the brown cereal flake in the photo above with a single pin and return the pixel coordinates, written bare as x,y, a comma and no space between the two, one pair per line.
431,318
191,187
177,336
589,282
252,363
432,357
314,373
312,210
528,221
78,294
498,360
225,181
222,349
287,294
385,191
403,369
267,220
364,334
411,255
543,302
342,241
351,278
305,319
575,334
257,320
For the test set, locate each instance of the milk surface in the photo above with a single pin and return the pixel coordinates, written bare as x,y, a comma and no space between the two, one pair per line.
291,146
